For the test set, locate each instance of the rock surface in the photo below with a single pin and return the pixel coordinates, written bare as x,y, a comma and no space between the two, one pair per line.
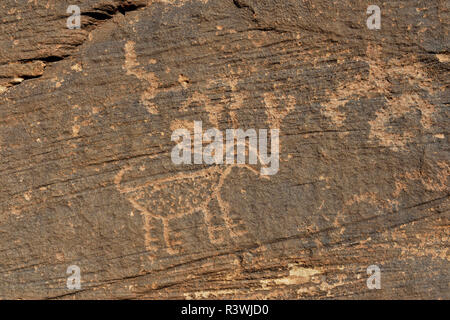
86,117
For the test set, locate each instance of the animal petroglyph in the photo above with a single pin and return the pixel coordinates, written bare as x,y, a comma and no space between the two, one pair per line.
163,202
166,199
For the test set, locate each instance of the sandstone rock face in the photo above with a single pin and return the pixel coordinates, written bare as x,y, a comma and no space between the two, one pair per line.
87,179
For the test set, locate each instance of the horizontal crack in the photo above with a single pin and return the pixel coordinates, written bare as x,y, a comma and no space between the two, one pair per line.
97,14
44,59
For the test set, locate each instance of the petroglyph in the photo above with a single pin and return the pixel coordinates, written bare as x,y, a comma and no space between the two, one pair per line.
198,191
378,84
132,67
277,109
155,200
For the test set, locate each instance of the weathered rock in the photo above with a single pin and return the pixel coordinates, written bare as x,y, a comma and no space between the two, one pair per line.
86,118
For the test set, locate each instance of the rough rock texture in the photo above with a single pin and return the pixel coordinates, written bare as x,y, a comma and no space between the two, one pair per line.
86,177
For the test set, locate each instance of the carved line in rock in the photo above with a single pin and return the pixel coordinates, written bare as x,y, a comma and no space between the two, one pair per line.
378,84
215,175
